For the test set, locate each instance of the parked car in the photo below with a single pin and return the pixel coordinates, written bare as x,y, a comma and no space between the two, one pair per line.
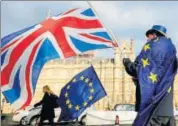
34,115
176,115
20,116
125,112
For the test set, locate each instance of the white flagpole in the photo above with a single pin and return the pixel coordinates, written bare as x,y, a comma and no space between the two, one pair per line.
48,14
110,32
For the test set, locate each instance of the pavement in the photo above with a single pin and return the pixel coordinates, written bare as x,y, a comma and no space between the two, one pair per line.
6,120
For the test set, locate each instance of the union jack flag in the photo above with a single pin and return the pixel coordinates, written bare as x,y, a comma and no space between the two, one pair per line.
24,53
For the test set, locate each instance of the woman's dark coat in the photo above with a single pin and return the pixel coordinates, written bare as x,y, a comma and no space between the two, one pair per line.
47,106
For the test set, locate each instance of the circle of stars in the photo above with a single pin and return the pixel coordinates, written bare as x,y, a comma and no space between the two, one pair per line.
77,107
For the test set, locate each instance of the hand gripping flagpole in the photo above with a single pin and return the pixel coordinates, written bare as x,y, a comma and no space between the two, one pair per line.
109,31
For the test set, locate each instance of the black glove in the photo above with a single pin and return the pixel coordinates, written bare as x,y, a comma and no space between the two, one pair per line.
126,61
34,106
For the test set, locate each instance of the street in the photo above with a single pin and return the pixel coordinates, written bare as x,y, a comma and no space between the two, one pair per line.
6,120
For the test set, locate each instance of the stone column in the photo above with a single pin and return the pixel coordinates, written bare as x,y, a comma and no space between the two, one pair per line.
116,98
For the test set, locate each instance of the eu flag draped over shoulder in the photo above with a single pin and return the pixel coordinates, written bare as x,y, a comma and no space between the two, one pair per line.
81,92
156,71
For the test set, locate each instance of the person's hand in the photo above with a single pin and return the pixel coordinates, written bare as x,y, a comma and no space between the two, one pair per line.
34,106
126,61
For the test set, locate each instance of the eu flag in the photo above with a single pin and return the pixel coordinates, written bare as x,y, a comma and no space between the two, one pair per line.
81,92
157,67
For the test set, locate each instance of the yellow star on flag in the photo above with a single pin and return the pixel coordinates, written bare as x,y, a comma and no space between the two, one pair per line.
153,77
74,80
90,84
169,90
66,94
82,78
70,105
90,98
92,90
85,104
68,101
77,107
145,62
146,47
68,87
86,80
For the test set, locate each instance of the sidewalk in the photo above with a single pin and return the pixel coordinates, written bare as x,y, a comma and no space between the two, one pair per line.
6,120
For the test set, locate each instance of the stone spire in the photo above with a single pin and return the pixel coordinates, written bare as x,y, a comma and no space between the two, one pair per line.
132,45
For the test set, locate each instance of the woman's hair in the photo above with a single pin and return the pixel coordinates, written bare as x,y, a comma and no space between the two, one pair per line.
47,89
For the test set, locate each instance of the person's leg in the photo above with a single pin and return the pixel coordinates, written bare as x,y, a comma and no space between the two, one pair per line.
154,121
161,121
164,120
41,122
51,121
171,122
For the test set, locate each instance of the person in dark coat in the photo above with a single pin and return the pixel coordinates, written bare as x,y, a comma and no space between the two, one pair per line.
47,112
163,115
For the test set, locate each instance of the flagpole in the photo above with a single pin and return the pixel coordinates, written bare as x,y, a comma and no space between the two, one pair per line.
48,14
110,32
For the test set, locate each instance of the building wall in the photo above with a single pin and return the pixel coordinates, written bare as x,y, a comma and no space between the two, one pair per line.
176,91
117,83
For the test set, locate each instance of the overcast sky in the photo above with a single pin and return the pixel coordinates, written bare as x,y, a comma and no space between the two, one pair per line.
126,19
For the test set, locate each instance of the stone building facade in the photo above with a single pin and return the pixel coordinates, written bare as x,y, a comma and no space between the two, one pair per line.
117,83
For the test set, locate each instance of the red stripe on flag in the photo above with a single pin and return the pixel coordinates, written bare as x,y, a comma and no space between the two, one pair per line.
72,22
27,75
116,44
56,28
8,45
16,53
75,22
63,43
57,31
97,38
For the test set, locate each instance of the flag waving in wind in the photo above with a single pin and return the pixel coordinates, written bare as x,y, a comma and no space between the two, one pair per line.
81,92
24,53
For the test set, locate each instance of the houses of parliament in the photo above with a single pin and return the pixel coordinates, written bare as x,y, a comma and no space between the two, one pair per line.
117,83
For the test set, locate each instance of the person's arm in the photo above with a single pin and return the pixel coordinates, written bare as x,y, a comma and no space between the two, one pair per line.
40,103
130,67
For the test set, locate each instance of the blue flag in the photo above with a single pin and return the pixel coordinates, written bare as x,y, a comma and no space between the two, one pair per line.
81,92
156,71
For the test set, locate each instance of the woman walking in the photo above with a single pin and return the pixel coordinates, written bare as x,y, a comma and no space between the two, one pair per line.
48,103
